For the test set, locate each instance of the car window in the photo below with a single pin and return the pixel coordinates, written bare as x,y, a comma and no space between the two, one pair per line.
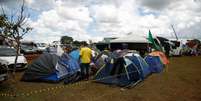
27,47
7,52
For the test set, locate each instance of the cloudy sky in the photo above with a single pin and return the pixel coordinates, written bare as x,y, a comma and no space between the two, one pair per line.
95,19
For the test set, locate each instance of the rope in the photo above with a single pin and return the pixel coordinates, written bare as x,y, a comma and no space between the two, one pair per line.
9,94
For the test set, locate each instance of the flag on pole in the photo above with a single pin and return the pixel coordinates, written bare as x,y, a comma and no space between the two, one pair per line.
151,39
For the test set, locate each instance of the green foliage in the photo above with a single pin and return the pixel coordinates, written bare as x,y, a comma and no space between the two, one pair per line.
4,26
76,43
14,29
66,40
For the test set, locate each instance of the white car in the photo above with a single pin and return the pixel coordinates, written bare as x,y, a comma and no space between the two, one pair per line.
7,57
41,46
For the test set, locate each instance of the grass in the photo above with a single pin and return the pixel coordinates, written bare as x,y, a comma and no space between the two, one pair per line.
180,81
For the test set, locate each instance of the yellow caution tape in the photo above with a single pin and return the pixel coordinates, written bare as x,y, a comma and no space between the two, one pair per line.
52,88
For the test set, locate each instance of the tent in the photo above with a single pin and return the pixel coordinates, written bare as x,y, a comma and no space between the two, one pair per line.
131,38
161,55
50,67
155,64
102,59
140,63
123,71
134,42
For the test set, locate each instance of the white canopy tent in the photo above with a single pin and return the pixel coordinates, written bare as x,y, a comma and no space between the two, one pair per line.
131,38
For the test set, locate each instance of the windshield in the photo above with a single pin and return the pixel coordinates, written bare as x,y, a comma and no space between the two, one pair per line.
26,47
41,44
7,52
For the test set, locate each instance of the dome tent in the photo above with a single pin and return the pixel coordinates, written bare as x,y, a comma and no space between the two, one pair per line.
161,55
124,71
51,68
155,63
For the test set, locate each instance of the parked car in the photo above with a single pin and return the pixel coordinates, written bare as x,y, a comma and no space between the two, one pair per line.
29,48
50,50
3,71
7,57
54,50
25,49
41,46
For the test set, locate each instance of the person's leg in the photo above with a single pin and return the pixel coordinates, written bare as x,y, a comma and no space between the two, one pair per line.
82,70
87,66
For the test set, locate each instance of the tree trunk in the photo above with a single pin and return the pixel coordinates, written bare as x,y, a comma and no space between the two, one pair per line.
16,58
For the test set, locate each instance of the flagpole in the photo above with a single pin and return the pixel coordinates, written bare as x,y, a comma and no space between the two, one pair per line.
174,32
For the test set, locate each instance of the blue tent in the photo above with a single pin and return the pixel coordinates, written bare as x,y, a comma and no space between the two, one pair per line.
51,68
123,71
155,64
141,65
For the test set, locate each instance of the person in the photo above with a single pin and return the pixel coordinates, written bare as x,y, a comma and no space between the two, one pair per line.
75,54
85,56
124,49
149,48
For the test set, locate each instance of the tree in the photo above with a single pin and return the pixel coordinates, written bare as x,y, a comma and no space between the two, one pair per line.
4,26
76,43
66,40
13,28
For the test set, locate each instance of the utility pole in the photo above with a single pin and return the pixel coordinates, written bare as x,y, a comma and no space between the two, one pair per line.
174,32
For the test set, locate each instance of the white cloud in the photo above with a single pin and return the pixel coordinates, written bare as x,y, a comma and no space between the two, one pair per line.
41,5
156,4
95,19
105,13
61,21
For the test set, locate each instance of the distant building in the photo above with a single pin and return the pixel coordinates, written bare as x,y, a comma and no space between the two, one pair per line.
134,42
